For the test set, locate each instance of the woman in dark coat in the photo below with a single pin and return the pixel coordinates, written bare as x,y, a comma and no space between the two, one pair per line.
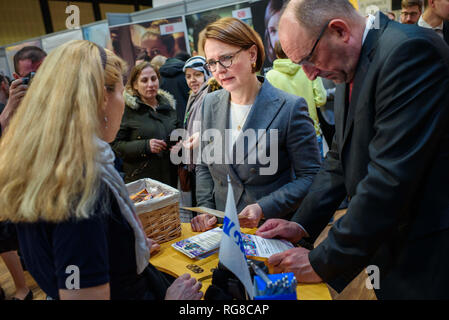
149,118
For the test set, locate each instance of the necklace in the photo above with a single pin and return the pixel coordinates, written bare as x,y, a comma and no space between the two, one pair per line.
239,126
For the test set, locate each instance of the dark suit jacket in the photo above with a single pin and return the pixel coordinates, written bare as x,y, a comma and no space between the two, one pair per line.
446,31
298,159
390,154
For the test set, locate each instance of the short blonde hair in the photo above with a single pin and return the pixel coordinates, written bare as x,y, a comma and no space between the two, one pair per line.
48,168
235,32
158,61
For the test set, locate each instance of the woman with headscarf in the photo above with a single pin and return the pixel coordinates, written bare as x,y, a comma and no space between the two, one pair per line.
200,83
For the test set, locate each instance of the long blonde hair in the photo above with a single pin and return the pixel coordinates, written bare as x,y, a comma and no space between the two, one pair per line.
48,169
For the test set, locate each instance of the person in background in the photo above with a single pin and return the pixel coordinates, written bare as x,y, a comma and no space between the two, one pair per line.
69,223
8,252
411,11
389,154
149,118
436,17
4,92
173,81
182,55
26,60
200,83
290,77
391,15
158,61
249,104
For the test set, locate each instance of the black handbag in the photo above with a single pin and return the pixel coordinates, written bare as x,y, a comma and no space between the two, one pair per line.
226,286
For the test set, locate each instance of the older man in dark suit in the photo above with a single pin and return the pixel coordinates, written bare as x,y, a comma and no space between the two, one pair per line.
390,153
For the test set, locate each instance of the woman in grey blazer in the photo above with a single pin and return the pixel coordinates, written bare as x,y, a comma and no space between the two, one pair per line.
259,136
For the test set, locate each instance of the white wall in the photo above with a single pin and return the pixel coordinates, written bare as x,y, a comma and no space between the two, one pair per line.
383,5
158,3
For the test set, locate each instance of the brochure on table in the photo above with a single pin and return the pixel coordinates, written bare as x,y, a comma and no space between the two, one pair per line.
207,243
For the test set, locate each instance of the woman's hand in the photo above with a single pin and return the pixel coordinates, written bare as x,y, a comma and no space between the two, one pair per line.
153,246
250,216
156,145
203,222
175,149
184,288
192,142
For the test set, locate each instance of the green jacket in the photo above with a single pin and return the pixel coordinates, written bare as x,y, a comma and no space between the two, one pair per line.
140,124
290,78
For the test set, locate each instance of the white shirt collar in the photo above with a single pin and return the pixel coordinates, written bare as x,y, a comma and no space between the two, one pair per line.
369,25
423,23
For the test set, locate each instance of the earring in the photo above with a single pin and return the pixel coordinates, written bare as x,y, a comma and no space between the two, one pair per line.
254,65
106,121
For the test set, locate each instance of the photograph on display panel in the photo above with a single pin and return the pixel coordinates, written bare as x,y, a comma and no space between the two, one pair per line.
165,37
266,15
196,22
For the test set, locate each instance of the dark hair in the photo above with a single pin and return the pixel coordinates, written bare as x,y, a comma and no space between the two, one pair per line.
182,55
411,3
35,54
280,54
135,73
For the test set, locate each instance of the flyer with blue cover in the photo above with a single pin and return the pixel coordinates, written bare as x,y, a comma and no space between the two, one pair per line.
207,243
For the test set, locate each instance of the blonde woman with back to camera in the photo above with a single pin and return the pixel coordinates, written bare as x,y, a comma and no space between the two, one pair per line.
59,186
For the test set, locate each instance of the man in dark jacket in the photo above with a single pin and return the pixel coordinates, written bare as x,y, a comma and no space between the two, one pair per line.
389,153
173,80
446,31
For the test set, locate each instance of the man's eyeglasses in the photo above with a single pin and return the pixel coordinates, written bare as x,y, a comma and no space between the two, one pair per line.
306,60
224,61
411,14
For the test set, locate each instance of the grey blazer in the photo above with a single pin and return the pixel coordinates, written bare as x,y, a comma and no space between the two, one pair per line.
298,159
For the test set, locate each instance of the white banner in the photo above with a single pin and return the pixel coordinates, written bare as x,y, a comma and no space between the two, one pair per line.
170,28
242,13
232,252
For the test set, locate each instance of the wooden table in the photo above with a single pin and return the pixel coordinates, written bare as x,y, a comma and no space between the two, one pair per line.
175,263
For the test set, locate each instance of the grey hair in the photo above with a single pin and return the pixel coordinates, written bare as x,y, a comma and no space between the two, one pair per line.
313,14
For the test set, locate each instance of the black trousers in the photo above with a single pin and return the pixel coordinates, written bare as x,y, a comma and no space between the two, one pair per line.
8,237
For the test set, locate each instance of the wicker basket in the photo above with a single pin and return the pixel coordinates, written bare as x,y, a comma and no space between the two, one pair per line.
159,216
163,224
